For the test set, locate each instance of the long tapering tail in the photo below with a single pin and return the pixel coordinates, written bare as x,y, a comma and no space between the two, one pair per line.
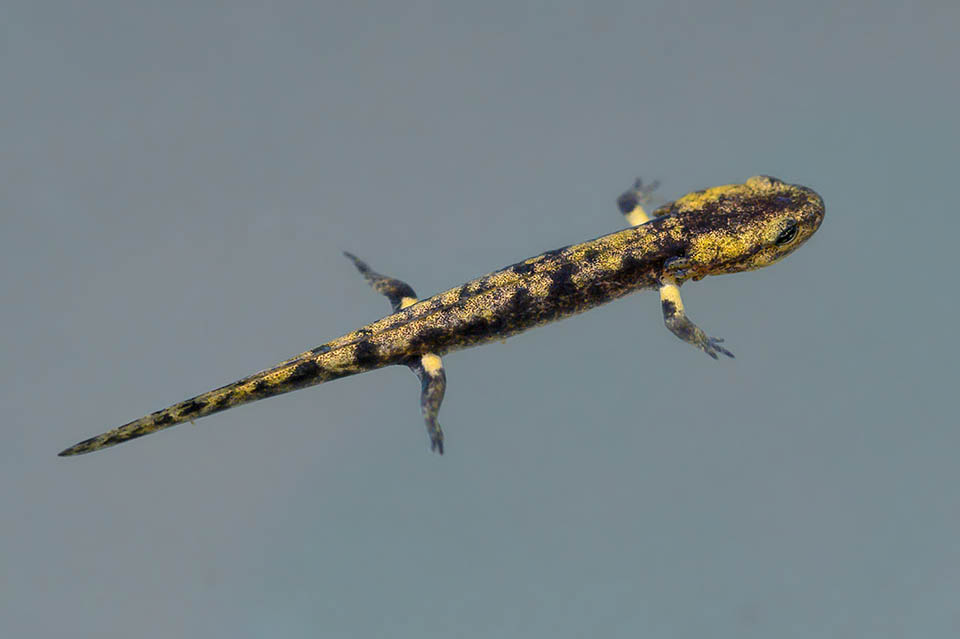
322,364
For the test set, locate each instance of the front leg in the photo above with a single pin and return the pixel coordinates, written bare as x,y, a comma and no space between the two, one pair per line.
680,325
632,200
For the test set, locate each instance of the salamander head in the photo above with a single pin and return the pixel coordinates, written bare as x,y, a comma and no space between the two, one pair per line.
741,227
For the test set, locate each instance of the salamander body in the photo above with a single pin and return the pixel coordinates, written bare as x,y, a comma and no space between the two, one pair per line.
725,229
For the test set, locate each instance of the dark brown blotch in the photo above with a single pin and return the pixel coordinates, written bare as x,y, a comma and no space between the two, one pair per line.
522,308
523,268
428,339
597,293
303,373
367,354
631,267
222,402
555,252
561,282
477,328
191,407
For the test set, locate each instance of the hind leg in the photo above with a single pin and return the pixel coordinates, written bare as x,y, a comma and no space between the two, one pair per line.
433,384
429,367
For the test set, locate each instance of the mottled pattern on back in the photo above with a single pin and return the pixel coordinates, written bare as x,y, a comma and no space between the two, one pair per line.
724,229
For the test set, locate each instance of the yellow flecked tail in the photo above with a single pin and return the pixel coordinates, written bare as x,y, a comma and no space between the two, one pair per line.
314,367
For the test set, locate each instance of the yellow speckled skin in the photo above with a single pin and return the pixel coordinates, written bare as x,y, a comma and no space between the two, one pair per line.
725,229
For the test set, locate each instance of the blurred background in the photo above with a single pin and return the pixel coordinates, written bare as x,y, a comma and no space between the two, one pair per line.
177,183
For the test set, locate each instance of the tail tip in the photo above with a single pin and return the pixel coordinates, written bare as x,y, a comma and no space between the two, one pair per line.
85,446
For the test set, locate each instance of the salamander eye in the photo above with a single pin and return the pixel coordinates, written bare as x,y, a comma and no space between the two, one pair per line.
788,233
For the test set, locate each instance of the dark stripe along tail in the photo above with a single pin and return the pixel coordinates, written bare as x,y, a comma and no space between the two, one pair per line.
319,365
